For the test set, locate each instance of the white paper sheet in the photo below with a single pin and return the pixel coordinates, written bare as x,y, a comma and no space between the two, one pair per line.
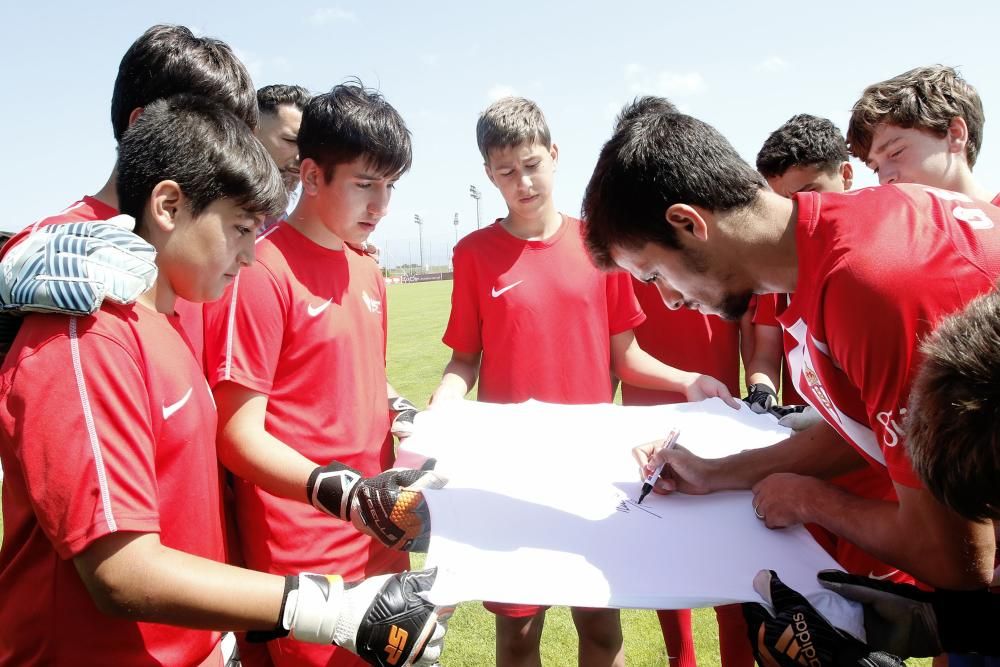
540,509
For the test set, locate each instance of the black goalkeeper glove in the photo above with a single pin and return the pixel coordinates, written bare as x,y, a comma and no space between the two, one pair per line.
405,412
761,398
390,507
796,635
386,620
913,623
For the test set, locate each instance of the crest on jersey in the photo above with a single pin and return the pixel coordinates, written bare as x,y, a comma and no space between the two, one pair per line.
817,387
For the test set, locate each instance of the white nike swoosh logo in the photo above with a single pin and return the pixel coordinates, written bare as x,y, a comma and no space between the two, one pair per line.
316,310
882,577
497,292
169,410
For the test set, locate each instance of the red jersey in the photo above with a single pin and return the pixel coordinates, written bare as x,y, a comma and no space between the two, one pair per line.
106,425
878,268
685,339
541,313
306,326
90,209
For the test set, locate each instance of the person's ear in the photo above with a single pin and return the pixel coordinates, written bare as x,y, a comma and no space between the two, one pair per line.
687,220
554,152
165,204
312,176
136,112
958,135
847,174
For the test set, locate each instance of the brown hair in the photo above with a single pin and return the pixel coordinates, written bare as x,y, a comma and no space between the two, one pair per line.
927,98
953,421
511,121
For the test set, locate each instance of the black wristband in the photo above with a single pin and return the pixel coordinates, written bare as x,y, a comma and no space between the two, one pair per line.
279,631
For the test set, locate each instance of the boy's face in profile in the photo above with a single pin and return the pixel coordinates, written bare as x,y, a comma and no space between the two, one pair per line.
354,201
524,175
912,155
203,253
812,178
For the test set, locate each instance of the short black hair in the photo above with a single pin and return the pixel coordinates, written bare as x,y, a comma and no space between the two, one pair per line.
269,98
657,158
352,121
647,105
803,141
169,59
208,151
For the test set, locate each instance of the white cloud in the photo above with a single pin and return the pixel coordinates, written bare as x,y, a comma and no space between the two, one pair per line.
500,90
771,64
324,15
665,82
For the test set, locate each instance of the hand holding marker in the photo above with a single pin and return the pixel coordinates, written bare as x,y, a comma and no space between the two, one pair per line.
647,486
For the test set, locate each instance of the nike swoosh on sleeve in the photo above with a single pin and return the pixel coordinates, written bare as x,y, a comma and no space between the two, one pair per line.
169,410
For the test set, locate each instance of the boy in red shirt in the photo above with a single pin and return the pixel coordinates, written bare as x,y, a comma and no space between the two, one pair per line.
922,126
113,529
532,318
165,60
870,272
295,354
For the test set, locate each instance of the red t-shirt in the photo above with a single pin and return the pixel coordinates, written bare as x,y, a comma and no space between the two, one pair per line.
90,209
106,425
685,339
306,326
541,313
878,268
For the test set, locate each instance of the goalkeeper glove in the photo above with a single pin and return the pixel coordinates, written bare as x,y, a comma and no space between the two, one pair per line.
761,398
796,635
405,412
911,622
71,268
390,507
386,620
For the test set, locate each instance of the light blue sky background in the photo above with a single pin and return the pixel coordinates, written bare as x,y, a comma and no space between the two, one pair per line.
744,67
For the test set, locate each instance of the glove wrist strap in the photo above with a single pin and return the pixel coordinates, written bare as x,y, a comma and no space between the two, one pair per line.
312,609
400,404
331,489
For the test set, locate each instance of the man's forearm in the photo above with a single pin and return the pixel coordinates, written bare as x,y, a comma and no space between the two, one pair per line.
932,544
817,452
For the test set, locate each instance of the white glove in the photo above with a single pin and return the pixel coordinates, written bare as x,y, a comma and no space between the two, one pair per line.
386,620
71,268
800,421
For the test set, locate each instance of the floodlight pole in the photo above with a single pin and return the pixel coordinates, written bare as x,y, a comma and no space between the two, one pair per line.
420,224
477,195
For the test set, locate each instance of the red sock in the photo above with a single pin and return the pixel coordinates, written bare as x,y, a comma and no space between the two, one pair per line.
676,627
734,645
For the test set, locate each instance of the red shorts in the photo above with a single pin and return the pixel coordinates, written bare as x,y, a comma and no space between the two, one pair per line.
511,610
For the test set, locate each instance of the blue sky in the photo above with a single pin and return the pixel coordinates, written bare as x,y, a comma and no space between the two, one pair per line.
744,67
